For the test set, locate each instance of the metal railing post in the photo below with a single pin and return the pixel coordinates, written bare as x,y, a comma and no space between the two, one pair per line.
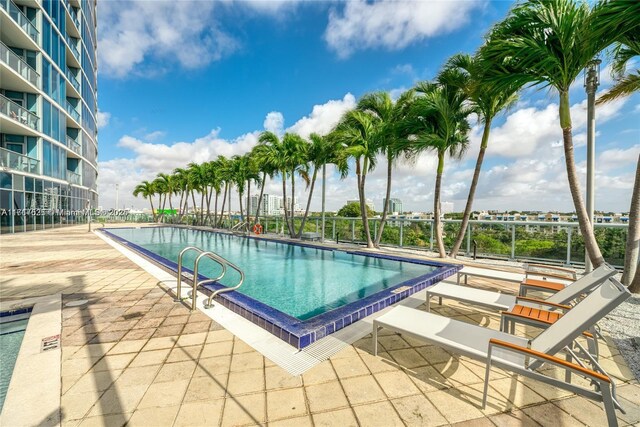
375,229
401,234
569,230
317,225
353,231
468,238
513,242
333,234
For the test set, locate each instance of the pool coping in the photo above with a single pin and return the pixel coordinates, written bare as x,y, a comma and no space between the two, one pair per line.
36,366
296,332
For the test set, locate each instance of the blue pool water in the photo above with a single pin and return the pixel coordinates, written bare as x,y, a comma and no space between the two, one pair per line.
12,328
302,282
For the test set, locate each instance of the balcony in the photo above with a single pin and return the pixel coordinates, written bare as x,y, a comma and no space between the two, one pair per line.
72,78
74,145
74,178
18,113
11,159
18,65
73,14
16,14
73,46
71,110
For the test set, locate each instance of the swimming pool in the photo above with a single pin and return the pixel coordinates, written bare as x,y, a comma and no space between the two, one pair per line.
299,292
13,325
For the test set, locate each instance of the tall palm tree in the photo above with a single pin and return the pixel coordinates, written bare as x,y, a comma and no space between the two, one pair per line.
437,121
146,189
272,151
317,155
264,163
225,175
180,177
388,113
549,43
196,183
294,153
359,133
487,102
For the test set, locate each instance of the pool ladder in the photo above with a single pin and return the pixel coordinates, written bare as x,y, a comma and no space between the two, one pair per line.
195,283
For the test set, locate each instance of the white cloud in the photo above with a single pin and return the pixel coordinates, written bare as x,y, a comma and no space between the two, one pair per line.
103,119
391,24
168,32
323,117
618,158
274,122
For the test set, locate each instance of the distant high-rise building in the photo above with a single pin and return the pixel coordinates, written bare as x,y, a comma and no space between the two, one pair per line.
395,205
271,205
48,111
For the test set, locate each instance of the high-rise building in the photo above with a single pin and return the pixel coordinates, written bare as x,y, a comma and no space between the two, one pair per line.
395,205
48,109
269,206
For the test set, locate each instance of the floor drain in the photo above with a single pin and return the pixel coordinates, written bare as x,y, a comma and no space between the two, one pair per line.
76,303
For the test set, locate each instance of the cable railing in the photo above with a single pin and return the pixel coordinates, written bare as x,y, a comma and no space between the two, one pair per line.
16,14
18,113
16,161
18,64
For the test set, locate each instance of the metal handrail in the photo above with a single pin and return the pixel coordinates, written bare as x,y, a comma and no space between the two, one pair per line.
214,257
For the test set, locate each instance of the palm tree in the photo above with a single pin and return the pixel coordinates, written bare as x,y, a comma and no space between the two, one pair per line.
317,155
437,121
161,186
549,43
359,133
294,152
272,152
180,177
147,190
388,113
487,102
224,174
196,184
263,162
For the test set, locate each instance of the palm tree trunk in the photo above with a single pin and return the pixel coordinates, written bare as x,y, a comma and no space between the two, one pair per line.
240,200
215,211
203,196
633,238
586,227
284,200
472,190
306,212
362,174
209,196
153,212
292,227
436,206
264,178
195,214
324,181
248,205
224,201
386,204
230,225
181,213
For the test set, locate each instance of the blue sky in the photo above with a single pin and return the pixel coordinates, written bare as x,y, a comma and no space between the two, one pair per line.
185,81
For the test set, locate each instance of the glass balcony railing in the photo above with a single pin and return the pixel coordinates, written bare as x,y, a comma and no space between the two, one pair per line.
18,65
11,159
74,178
74,145
73,46
71,110
73,14
74,82
16,14
17,113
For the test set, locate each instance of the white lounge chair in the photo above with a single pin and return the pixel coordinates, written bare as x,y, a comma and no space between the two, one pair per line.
499,301
519,354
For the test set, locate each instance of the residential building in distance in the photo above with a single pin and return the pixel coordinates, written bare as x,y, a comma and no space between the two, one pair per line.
271,205
48,109
395,205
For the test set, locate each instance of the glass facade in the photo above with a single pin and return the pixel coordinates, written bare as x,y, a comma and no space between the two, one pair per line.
48,109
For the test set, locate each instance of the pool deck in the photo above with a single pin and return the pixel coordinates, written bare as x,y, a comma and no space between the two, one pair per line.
131,355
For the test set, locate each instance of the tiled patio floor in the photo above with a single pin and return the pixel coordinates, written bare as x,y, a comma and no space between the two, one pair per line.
133,356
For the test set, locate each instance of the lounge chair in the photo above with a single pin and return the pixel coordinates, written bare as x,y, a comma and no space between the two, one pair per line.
518,354
499,301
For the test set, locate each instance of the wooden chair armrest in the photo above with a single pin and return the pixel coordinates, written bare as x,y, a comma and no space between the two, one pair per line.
543,302
553,359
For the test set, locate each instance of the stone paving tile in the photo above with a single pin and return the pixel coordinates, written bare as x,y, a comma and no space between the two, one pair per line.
132,355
